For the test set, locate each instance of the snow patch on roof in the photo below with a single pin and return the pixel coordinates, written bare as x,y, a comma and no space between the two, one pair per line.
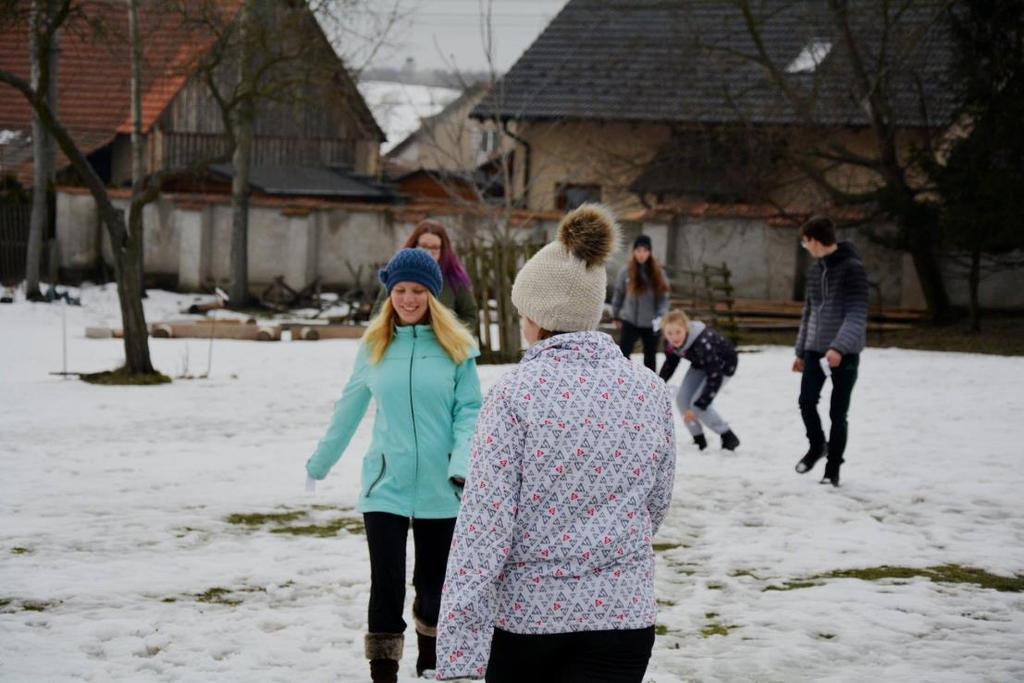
400,108
810,57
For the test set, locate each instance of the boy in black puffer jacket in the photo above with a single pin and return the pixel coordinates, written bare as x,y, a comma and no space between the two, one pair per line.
712,362
833,331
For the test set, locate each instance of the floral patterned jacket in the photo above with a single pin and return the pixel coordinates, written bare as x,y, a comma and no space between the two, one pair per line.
571,473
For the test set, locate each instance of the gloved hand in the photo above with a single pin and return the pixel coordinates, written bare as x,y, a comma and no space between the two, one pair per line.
656,324
310,485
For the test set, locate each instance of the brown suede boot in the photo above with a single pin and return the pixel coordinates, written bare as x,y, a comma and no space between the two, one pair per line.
384,650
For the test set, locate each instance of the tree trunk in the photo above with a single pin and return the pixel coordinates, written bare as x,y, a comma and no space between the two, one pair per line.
929,273
974,281
44,62
240,217
129,286
241,160
133,318
136,224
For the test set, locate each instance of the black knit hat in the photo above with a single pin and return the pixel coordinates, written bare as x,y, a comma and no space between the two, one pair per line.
642,241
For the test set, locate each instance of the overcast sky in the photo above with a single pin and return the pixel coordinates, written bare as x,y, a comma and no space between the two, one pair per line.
447,33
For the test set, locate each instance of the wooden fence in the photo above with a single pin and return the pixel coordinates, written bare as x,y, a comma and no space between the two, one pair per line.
492,268
707,294
14,225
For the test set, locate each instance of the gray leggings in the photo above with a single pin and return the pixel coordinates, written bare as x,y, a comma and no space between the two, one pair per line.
693,385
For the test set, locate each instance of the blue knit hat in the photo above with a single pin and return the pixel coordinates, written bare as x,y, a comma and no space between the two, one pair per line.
412,265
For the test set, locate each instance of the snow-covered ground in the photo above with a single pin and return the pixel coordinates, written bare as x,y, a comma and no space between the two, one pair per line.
120,558
399,108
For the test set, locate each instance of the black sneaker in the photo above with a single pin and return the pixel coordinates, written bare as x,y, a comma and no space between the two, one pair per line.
730,441
831,473
701,442
811,458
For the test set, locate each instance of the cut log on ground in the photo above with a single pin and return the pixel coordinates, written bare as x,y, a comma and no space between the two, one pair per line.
313,333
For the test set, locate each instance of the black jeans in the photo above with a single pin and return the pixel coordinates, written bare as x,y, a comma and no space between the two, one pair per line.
813,379
584,657
628,336
386,535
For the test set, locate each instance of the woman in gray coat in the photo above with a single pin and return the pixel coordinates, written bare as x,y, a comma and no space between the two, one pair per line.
641,297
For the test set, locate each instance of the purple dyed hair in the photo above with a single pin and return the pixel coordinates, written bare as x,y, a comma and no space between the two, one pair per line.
451,267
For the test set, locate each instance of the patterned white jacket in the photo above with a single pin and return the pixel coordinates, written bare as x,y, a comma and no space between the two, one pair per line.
571,473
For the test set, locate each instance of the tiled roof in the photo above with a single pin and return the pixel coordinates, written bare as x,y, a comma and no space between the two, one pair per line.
689,61
93,98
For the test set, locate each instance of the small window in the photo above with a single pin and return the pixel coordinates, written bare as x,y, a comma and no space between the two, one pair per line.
810,57
488,141
569,196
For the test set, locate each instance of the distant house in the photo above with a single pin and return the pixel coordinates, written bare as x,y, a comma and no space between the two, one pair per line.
451,154
327,127
643,102
315,155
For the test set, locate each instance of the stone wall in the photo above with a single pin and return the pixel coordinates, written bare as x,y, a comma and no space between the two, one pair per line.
188,245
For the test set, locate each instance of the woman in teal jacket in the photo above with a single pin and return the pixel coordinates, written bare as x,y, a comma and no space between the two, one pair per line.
418,363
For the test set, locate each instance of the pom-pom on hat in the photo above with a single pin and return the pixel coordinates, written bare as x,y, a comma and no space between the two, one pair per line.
412,265
562,288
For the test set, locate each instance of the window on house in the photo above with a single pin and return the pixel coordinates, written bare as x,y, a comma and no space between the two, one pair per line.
568,195
488,141
810,57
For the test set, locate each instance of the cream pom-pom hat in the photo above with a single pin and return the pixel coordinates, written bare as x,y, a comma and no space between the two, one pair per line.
562,288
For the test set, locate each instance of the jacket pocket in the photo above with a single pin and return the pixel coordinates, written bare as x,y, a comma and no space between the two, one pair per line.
380,475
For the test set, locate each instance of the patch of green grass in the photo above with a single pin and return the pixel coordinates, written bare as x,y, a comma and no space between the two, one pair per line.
826,636
260,518
792,586
4,602
36,605
662,547
661,630
169,600
947,573
217,596
713,586
662,602
744,572
18,550
715,630
710,615
121,377
225,596
352,525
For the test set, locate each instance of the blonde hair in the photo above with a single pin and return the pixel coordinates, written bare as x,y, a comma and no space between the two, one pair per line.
675,316
453,337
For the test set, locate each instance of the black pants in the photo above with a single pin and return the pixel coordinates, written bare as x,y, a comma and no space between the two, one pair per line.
628,336
386,535
584,657
813,379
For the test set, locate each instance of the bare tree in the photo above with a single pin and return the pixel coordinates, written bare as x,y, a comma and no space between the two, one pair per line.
876,41
125,238
242,125
270,59
44,79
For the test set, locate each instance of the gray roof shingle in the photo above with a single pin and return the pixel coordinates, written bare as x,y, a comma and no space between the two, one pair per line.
310,181
689,61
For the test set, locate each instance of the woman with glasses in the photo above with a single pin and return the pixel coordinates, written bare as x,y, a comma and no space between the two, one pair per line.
457,293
